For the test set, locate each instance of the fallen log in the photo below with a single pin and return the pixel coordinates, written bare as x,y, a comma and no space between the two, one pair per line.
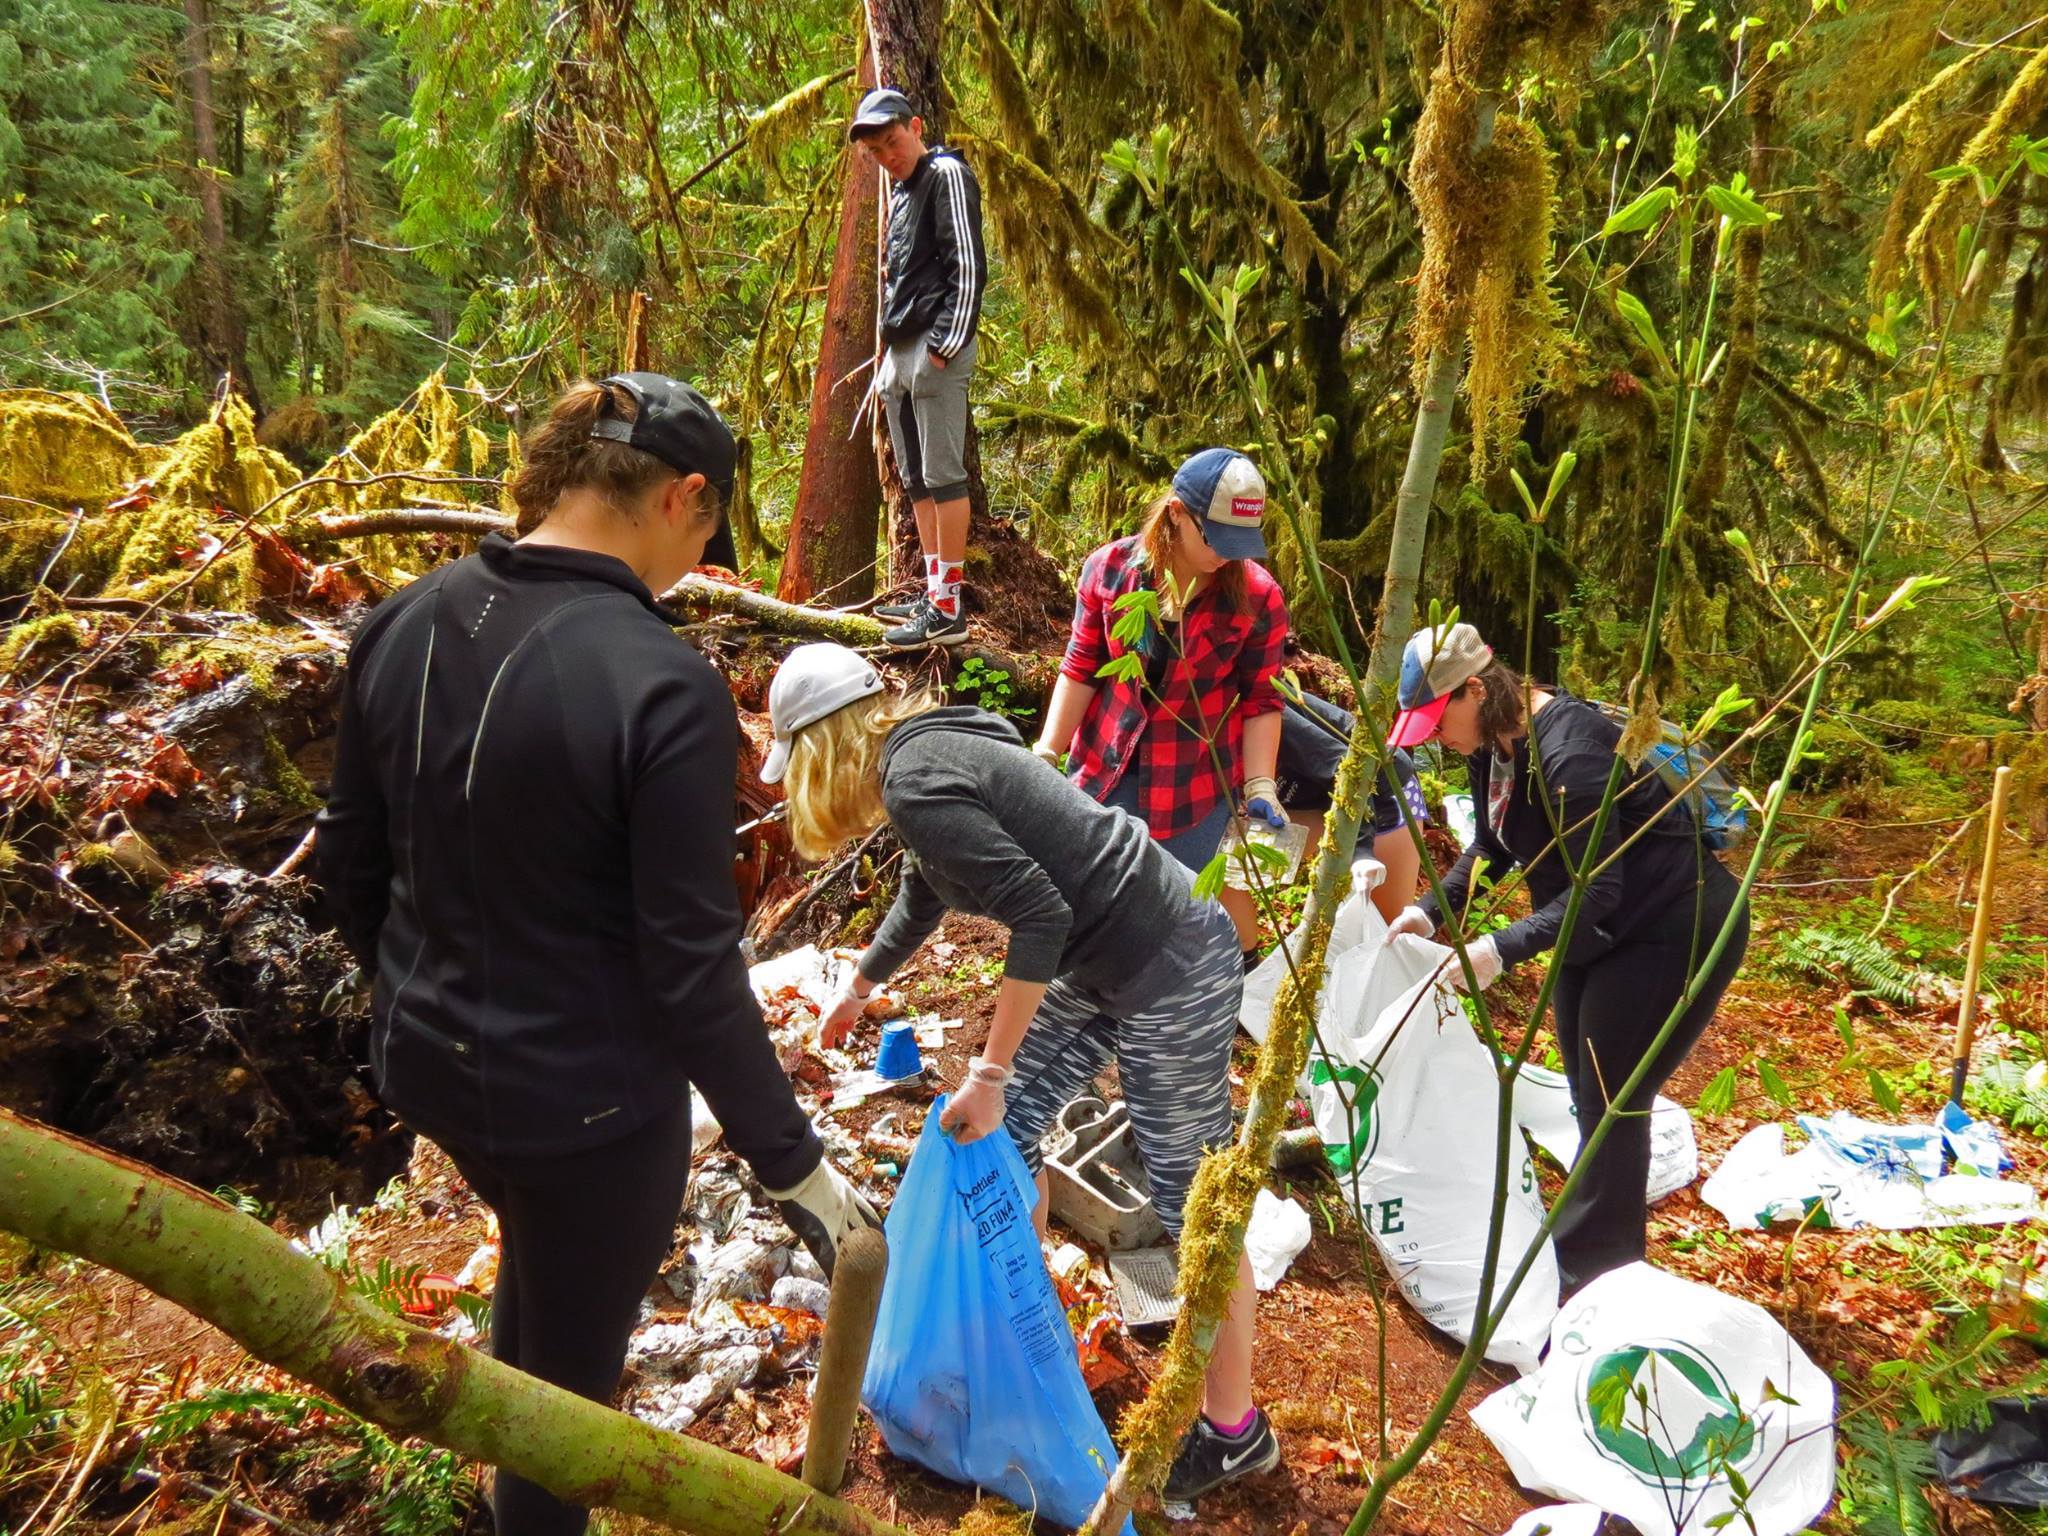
288,1309
391,520
1030,677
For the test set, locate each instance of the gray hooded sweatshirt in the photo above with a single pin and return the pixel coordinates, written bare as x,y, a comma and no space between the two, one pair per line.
995,832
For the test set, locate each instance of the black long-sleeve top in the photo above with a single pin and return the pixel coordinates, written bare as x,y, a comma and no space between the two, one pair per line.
1575,745
528,838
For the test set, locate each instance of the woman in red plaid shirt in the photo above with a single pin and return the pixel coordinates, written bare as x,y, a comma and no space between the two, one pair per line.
1190,725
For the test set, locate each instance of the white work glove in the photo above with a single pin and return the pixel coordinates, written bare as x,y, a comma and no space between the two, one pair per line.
1046,754
1486,967
823,1212
1412,920
976,1107
1262,803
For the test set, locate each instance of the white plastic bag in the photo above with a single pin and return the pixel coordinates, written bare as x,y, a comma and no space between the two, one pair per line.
1416,1144
1347,931
1715,1373
1759,1183
1543,1108
1273,1239
1418,1082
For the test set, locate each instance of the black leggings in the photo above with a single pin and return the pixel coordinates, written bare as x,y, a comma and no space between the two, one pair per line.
582,1236
1608,1011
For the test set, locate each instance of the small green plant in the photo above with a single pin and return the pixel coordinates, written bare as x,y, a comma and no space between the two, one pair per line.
990,688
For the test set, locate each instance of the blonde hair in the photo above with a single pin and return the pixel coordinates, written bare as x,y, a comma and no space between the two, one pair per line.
1156,537
834,781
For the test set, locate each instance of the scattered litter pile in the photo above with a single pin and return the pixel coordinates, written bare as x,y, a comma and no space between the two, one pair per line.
748,1301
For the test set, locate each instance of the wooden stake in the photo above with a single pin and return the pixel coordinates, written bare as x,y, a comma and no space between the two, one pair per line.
849,1329
1980,932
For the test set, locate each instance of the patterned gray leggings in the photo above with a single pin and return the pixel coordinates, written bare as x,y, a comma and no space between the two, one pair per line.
1169,1031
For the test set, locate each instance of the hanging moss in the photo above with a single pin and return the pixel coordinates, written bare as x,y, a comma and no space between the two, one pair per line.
1485,274
1930,248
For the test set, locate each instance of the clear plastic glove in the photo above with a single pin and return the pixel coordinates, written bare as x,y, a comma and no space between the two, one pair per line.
1262,803
1486,966
1412,920
844,1013
976,1107
823,1212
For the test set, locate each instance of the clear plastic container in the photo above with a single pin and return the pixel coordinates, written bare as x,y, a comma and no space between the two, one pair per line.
1241,866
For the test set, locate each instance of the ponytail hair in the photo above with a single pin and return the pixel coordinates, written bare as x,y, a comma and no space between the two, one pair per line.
560,455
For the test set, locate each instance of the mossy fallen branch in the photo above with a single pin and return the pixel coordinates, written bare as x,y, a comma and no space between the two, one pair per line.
286,1308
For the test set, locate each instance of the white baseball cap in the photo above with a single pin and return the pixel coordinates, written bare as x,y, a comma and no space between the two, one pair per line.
813,681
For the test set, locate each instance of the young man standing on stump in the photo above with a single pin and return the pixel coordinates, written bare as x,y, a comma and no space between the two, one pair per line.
931,304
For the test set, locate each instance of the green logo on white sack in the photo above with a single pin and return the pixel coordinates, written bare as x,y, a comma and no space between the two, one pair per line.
1665,1412
1362,1087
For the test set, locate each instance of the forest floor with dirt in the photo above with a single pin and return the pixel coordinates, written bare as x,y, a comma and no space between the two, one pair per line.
1853,1299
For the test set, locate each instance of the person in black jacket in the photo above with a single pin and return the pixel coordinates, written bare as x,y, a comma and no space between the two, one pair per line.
1111,957
1314,734
527,844
1539,762
931,304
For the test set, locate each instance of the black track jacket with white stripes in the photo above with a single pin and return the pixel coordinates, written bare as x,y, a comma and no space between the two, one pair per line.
528,838
937,268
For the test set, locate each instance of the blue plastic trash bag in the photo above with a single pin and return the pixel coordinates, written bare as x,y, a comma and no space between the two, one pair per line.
973,1372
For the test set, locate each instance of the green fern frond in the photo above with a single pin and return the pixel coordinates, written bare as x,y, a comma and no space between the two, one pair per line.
1857,958
1886,1474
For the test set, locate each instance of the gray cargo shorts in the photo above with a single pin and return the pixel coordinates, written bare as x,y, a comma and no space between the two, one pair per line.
927,409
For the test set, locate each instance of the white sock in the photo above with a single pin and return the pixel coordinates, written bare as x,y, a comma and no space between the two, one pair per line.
946,588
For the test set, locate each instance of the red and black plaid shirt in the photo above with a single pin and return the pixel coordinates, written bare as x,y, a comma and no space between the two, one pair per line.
1216,675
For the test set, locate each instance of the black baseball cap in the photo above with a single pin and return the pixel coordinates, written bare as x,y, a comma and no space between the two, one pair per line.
878,109
678,426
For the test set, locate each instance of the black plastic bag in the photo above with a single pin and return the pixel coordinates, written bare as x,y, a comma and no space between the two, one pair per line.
2003,1462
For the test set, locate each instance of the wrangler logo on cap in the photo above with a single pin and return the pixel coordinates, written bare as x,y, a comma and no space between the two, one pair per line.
1248,506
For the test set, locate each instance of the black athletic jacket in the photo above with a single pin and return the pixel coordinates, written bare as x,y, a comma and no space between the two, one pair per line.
529,840
1664,869
936,265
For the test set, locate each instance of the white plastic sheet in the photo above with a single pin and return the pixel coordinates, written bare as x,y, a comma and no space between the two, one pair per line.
1278,1231
1759,1183
1715,1374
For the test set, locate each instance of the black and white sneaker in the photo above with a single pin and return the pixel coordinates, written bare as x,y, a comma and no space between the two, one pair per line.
903,608
1209,1458
927,626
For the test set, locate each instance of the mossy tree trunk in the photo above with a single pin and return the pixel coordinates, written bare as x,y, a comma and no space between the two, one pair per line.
220,331
1433,404
286,1308
833,530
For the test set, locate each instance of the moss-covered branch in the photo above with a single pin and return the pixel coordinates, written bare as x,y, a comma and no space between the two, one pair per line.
287,1309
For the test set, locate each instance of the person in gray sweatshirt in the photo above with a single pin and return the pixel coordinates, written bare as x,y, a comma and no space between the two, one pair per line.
1111,957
